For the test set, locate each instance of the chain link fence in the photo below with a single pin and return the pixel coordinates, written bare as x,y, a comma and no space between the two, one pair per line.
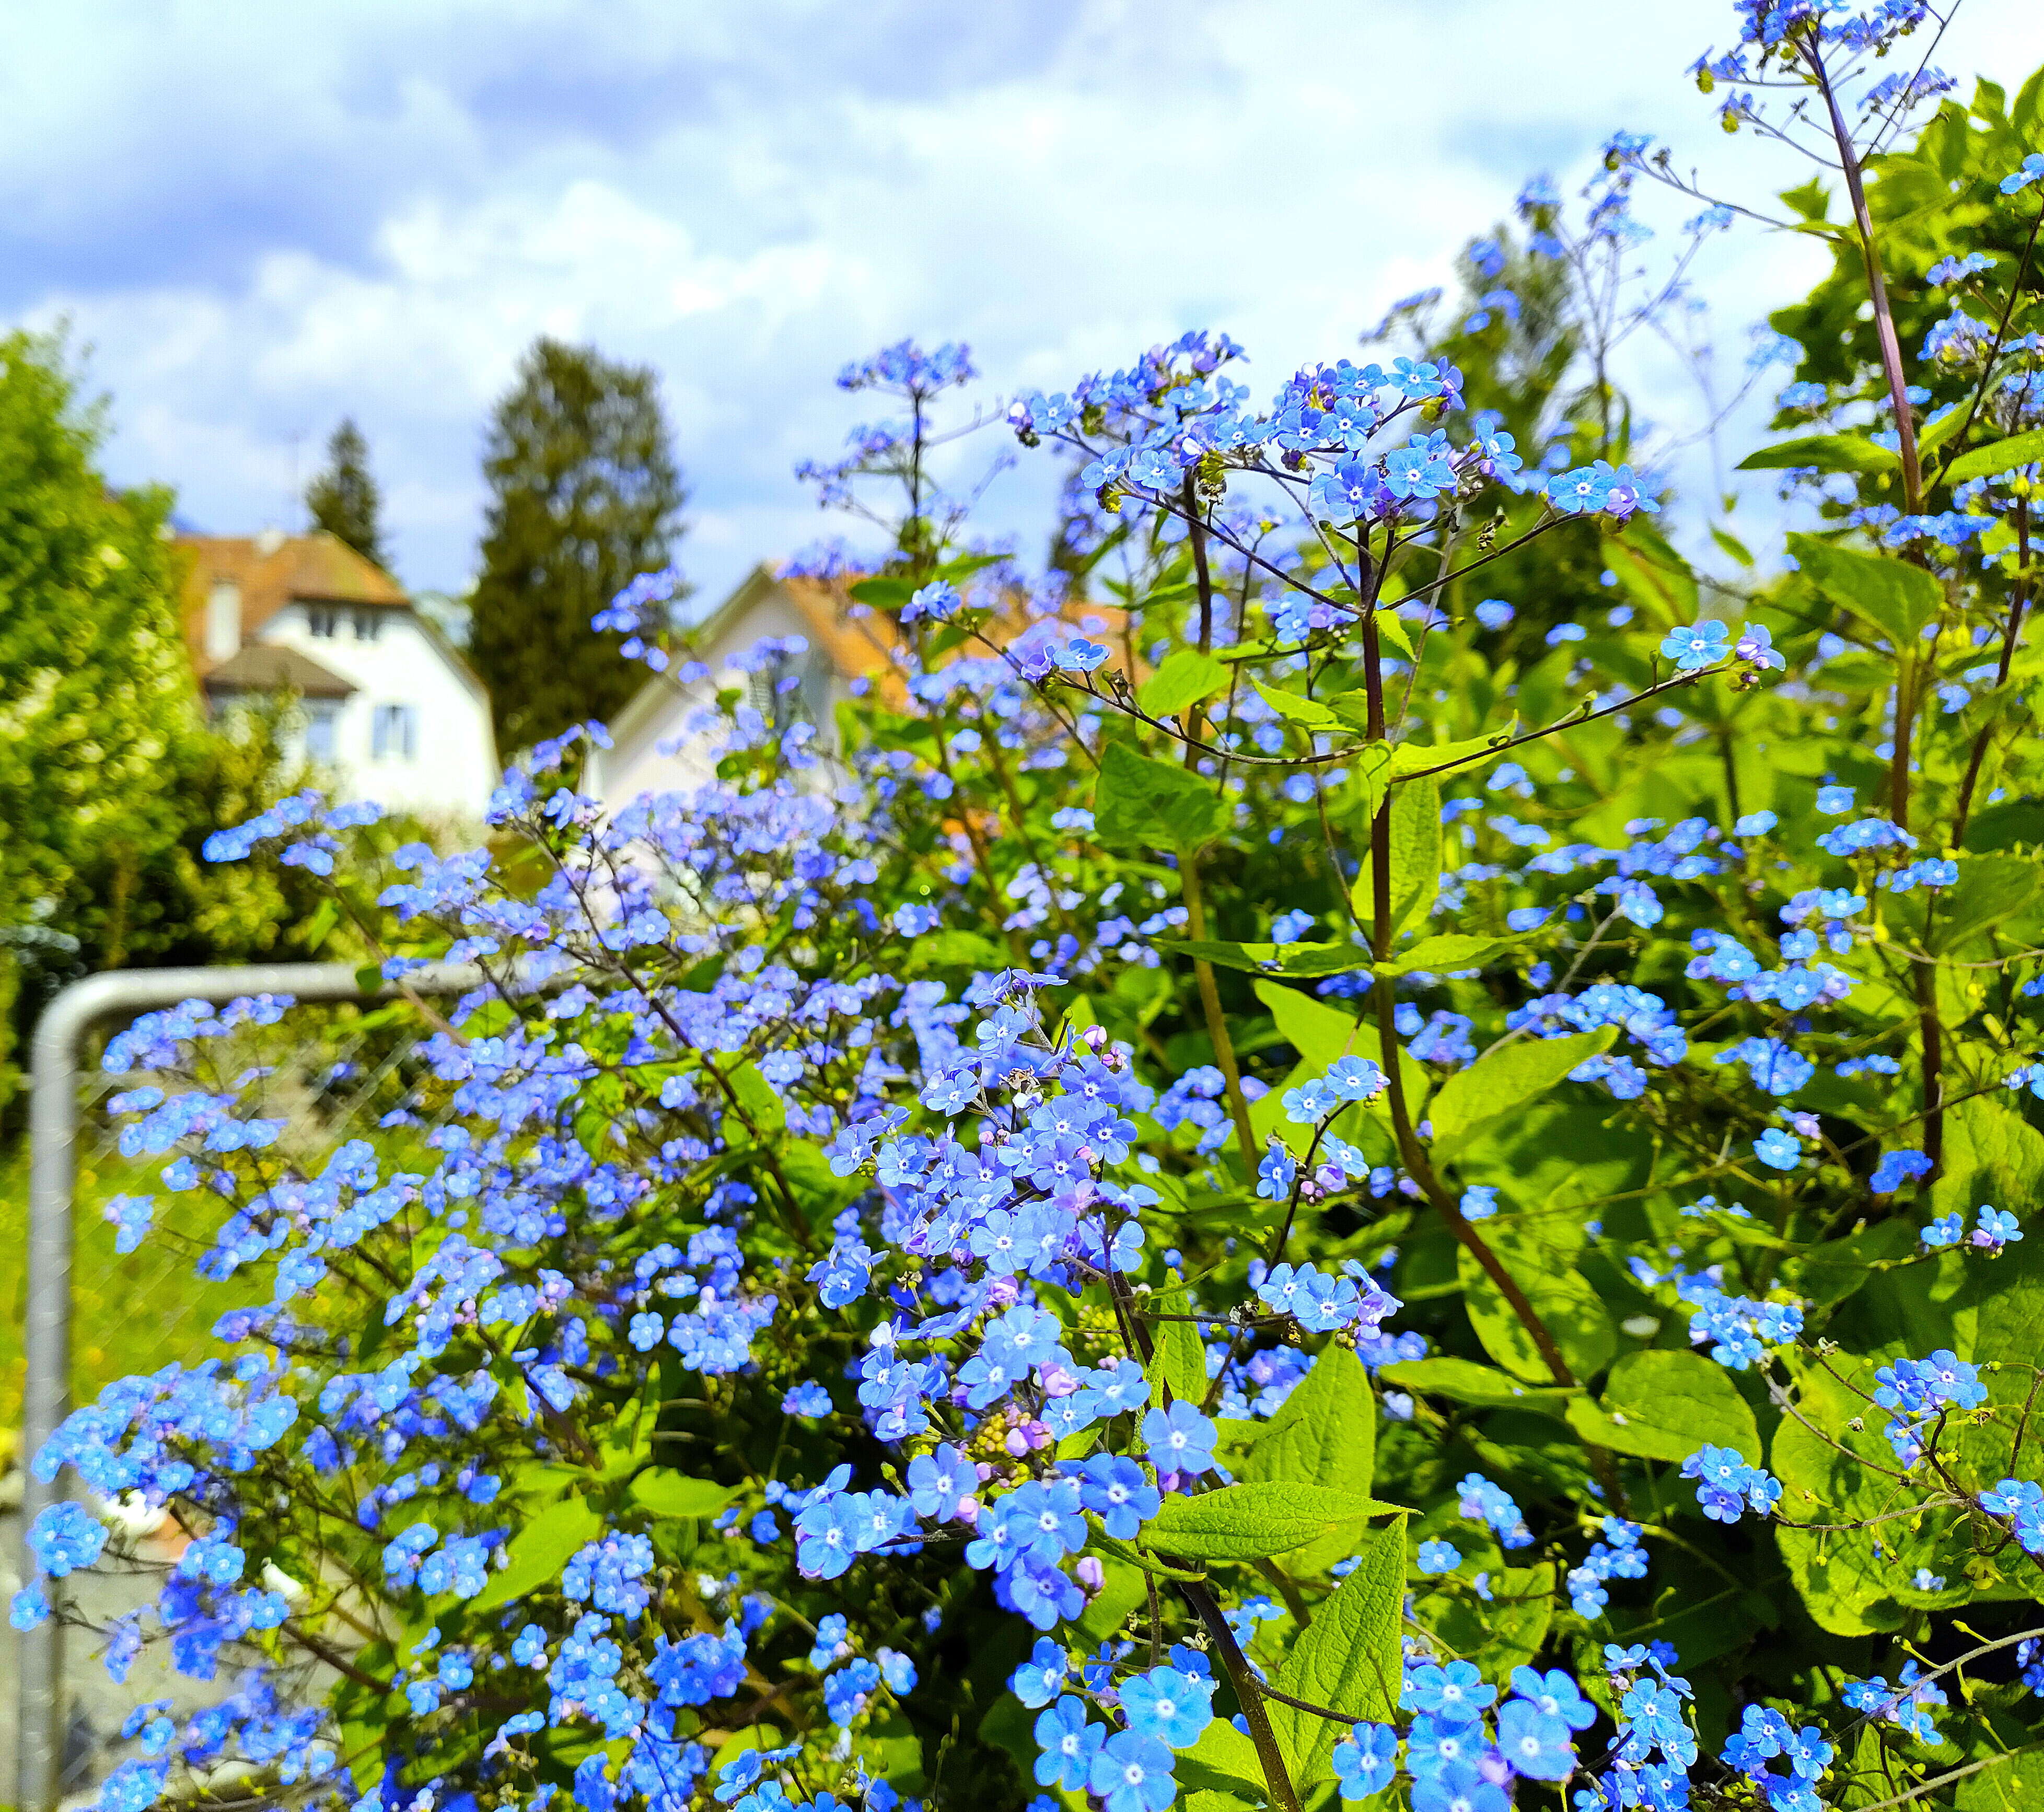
83,1313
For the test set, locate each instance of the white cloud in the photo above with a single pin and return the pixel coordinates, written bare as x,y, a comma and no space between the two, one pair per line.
261,224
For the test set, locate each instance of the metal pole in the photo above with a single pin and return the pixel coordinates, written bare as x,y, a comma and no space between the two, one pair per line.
52,1174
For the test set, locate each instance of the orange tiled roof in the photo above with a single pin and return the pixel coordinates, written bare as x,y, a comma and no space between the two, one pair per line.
863,641
272,572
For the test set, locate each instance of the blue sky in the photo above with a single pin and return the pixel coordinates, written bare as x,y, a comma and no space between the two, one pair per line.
260,217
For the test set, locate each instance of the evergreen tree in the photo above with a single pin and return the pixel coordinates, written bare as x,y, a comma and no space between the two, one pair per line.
344,499
585,496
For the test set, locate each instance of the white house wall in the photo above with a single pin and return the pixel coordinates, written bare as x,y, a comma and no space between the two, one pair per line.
452,769
637,765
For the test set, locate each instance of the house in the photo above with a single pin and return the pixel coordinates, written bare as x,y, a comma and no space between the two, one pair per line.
851,648
847,643
386,708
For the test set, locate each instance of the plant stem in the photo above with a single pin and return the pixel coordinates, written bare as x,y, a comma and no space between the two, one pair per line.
1905,423
1249,1690
1195,923
1411,1152
2008,641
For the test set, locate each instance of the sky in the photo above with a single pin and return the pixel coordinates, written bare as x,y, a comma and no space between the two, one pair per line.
258,219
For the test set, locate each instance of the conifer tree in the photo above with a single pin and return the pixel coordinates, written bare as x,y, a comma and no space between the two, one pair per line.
344,499
585,496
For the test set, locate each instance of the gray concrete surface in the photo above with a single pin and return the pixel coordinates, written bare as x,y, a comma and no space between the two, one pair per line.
94,1706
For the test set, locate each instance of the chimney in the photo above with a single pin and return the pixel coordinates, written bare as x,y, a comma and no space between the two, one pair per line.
268,541
223,621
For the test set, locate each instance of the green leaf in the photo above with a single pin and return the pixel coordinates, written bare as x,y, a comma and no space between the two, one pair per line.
1835,1467
1416,856
1665,1405
1826,453
539,1550
1506,1080
1991,889
1566,1301
1319,1033
1186,678
1268,959
2008,1783
1308,714
965,565
1325,1432
889,593
1897,598
1445,954
1730,544
1465,1381
1370,772
1177,1357
1391,629
1140,803
669,1494
1417,758
1347,1659
2002,456
759,1098
1933,434
1252,1522
1221,1761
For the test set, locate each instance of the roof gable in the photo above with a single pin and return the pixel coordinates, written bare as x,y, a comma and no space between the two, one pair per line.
263,666
273,572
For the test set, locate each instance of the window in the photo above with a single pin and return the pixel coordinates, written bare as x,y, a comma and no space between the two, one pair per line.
393,732
322,719
368,625
322,620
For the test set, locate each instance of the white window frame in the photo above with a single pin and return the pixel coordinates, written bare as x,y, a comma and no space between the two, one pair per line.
394,733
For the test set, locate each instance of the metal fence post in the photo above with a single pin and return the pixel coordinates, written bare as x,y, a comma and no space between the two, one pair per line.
52,1171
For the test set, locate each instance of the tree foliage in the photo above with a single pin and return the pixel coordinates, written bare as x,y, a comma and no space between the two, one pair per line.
344,499
585,495
110,777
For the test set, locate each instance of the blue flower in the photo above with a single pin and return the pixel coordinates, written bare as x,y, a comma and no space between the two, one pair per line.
1439,1557
1070,1744
807,1399
1041,1678
1132,1773
1756,647
1115,1490
1994,1229
1172,1707
1895,1169
2030,170
1581,492
1780,1150
1533,1742
1367,1760
66,1539
1290,927
1726,1484
1461,1788
1179,1439
1697,646
1456,1691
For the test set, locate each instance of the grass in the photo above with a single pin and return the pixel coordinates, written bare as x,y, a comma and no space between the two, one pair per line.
131,1311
